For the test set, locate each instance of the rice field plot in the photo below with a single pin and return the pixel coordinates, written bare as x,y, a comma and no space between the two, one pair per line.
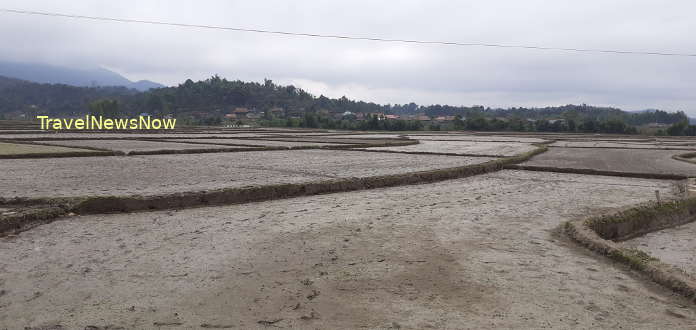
621,160
114,136
329,139
367,136
13,149
480,252
160,174
630,145
463,147
675,246
135,145
483,138
260,143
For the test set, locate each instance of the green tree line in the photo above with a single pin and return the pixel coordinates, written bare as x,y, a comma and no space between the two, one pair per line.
210,99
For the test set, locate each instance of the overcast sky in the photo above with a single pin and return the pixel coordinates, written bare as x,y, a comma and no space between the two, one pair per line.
385,72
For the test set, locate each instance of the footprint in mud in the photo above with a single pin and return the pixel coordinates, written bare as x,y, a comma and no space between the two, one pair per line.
624,288
675,314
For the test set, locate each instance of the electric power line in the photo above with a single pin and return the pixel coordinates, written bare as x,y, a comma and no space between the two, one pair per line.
332,36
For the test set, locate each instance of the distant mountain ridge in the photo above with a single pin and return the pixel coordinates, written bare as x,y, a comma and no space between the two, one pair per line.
50,74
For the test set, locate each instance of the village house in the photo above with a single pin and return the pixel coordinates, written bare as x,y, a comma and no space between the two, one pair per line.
277,111
241,112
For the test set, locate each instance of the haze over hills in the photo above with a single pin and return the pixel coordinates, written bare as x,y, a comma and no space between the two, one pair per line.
91,77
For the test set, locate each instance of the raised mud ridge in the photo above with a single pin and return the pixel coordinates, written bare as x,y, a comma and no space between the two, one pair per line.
589,171
45,210
97,152
601,235
689,157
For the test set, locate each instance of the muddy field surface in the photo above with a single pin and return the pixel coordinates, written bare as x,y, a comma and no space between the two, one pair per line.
594,137
157,174
639,145
300,134
367,136
464,147
477,253
133,145
483,138
675,246
623,160
329,139
129,135
297,132
261,143
21,149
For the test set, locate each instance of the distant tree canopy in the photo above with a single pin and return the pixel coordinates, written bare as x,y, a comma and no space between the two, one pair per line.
105,108
216,96
681,128
54,99
373,123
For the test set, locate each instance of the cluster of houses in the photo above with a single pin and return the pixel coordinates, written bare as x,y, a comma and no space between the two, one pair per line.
239,113
420,117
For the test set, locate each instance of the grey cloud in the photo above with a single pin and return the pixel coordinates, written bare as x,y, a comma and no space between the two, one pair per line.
386,72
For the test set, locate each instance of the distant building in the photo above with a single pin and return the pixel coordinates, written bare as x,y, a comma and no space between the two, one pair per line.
239,112
379,115
277,111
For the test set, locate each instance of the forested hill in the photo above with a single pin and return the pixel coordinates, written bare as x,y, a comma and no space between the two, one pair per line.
19,96
216,96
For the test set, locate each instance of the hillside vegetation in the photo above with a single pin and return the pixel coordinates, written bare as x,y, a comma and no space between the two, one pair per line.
209,100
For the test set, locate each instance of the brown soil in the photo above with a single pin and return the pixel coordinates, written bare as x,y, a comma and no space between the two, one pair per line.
618,144
111,136
623,160
131,145
367,136
256,142
468,137
480,252
465,147
12,149
675,246
150,175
